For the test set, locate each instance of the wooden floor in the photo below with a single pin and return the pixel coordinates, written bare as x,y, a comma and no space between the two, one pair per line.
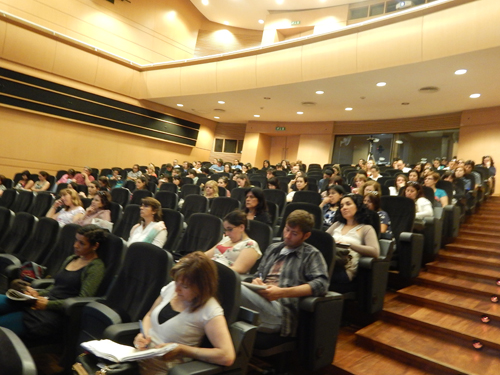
429,327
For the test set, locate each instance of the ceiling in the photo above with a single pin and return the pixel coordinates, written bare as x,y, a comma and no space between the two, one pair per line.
247,13
359,91
356,91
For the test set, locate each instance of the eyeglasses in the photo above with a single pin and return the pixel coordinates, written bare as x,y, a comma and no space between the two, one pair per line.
101,192
228,229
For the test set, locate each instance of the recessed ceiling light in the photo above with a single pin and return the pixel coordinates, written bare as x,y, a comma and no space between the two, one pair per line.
221,102
399,142
216,117
320,92
475,96
180,105
300,113
459,72
204,2
279,1
348,109
405,103
256,115
267,98
381,84
226,23
261,21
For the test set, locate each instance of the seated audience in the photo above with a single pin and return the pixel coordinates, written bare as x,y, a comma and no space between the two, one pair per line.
24,182
141,183
330,203
2,186
372,201
98,212
301,183
85,177
290,269
67,177
414,176
211,189
217,166
359,180
70,206
265,165
423,207
116,176
399,183
135,173
191,173
488,163
236,249
223,181
185,312
151,170
440,196
256,206
151,228
375,172
242,180
273,183
369,187
42,184
357,238
103,183
80,276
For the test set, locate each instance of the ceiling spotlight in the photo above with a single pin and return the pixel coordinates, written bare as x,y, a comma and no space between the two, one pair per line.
477,344
494,299
399,142
261,21
320,92
216,117
226,23
279,1
475,96
221,102
348,109
459,72
180,105
300,113
204,2
498,282
485,319
381,84
256,115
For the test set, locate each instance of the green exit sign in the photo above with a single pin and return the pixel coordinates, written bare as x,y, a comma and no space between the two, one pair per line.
294,23
280,128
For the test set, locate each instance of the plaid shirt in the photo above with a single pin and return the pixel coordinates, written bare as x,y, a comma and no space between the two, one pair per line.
303,265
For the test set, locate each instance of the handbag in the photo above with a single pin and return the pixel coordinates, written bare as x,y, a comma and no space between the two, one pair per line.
30,271
98,366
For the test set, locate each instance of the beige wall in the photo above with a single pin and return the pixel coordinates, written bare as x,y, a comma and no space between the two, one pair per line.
142,31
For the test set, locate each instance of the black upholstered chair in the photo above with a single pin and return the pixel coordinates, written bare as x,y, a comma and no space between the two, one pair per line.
174,221
15,359
221,206
202,233
41,204
129,218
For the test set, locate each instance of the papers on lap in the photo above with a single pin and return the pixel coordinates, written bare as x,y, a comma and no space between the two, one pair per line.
114,352
18,296
254,287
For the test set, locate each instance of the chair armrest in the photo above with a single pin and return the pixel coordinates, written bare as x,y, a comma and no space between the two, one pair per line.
196,368
123,333
309,303
248,316
8,260
75,305
42,283
410,250
12,272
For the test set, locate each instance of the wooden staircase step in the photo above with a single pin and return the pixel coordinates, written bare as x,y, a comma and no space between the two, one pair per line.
430,349
481,227
465,327
473,240
357,360
482,259
482,234
472,285
473,249
465,303
450,268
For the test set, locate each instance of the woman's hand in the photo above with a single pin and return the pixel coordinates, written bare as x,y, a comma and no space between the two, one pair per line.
142,342
177,352
58,203
41,303
91,210
32,292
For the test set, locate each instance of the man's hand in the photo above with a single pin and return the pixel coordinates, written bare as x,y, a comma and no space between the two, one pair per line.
272,293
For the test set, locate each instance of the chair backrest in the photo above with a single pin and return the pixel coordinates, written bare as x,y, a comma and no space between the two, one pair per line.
23,201
309,207
169,186
263,235
60,187
167,199
194,204
6,220
277,196
139,195
8,198
105,172
111,253
130,185
83,189
86,202
144,272
15,359
284,180
174,222
39,244
221,206
326,245
129,218
190,189
374,220
401,210
222,191
274,212
307,196
202,179
187,180
120,196
447,186
21,228
116,212
41,204
228,291
429,194
62,249
202,233
239,194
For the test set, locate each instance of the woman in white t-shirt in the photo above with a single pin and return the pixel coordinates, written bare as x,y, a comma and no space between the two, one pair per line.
236,250
72,208
150,228
184,313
